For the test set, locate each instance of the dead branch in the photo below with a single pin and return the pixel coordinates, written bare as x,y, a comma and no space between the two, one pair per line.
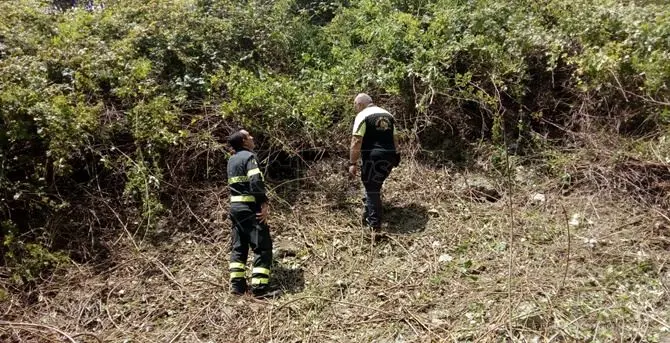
40,326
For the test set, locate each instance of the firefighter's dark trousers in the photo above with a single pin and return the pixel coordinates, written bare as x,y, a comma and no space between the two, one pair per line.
249,232
375,169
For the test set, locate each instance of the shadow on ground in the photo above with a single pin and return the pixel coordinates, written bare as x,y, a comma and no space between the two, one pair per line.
289,280
405,219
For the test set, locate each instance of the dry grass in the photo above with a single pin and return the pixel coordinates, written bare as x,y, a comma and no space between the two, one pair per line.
440,273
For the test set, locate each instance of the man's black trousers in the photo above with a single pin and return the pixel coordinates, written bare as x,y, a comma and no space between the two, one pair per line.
249,232
377,166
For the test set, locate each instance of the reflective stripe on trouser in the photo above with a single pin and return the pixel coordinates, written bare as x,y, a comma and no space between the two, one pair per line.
242,198
260,276
236,270
236,179
259,281
248,232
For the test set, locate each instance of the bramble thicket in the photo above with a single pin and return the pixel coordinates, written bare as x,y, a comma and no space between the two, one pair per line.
119,105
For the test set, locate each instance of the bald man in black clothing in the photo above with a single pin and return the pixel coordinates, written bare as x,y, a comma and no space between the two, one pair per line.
374,140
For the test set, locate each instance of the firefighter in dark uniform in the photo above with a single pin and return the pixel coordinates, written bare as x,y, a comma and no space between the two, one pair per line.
374,140
248,212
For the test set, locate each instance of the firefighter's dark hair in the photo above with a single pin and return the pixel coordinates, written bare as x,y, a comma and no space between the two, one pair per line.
236,140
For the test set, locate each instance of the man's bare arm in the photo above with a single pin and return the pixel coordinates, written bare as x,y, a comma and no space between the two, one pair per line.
355,149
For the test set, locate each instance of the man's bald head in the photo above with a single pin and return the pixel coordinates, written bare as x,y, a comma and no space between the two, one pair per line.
362,101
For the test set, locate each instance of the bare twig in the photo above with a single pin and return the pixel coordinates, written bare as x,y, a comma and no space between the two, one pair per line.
165,271
189,323
508,171
416,319
334,301
623,92
107,308
207,281
567,259
88,335
665,325
41,326
412,269
576,320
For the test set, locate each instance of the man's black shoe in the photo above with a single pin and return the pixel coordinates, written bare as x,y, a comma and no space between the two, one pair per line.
364,219
366,224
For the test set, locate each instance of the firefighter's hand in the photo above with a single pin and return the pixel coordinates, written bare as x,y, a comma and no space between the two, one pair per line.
263,215
353,170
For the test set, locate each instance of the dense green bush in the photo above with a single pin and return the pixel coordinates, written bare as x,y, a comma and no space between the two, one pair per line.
114,92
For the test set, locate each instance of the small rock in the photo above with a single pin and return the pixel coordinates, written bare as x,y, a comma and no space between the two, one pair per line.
539,198
574,221
436,244
188,241
478,189
590,242
519,174
445,258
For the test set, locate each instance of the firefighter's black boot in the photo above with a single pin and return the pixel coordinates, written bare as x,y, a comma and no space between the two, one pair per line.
260,280
238,286
238,281
265,292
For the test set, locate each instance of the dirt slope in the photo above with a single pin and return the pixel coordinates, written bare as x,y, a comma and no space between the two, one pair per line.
583,265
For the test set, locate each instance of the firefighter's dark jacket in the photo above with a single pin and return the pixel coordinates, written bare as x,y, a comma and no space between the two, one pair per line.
245,179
